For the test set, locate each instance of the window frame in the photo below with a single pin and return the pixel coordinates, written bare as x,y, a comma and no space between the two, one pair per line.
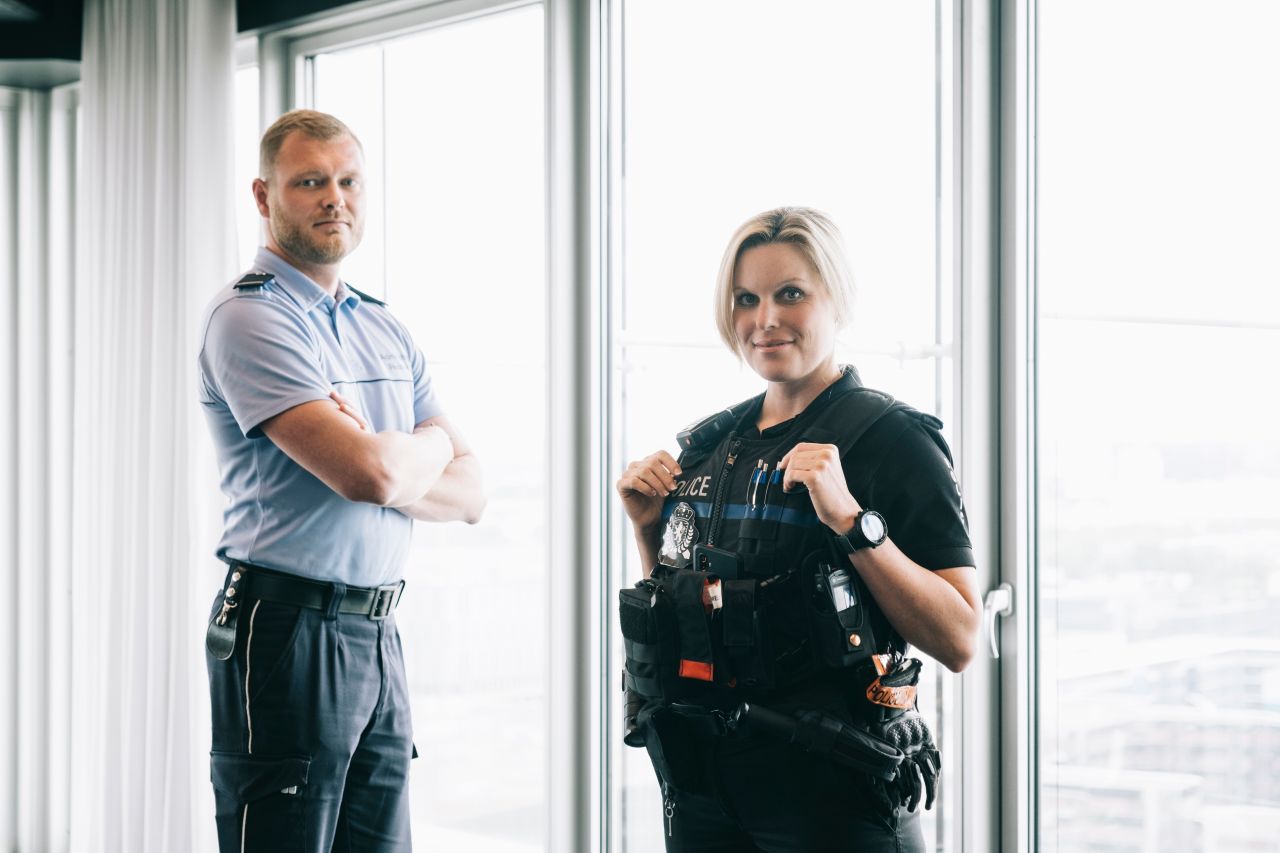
577,417
1016,334
977,238
987,437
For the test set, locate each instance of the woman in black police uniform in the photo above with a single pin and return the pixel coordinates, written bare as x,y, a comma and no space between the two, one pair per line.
788,489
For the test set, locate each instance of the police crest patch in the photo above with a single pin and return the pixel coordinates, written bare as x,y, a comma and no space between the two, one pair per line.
678,536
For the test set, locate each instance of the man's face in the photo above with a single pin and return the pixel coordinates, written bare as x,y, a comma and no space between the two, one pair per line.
313,199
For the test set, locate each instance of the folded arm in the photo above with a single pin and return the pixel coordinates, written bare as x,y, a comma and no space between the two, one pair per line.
387,468
458,493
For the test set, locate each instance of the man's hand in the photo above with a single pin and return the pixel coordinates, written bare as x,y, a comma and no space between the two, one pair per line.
817,468
386,468
458,495
444,440
348,410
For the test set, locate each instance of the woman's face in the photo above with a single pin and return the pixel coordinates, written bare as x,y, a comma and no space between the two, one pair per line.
782,315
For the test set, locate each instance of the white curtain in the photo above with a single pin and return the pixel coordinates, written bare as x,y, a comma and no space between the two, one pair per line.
37,174
155,236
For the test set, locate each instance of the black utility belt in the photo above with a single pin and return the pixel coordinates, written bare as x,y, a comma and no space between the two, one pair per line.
248,582
377,602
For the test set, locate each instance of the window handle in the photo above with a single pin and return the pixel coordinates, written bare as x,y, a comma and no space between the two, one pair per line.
999,602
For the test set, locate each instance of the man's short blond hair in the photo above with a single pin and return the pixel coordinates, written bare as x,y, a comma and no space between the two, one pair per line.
812,233
312,123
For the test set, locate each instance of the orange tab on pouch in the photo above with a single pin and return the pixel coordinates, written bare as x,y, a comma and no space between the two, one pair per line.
903,698
701,670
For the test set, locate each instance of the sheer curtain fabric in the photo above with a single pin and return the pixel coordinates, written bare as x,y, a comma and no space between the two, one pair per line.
155,235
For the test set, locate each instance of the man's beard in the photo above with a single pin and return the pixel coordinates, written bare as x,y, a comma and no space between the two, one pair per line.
298,241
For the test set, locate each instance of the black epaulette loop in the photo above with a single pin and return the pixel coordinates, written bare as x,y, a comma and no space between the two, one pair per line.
254,279
364,297
931,421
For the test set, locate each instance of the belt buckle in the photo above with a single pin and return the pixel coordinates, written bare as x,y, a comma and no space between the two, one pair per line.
384,601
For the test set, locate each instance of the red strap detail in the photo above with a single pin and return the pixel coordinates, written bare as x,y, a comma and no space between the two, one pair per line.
696,669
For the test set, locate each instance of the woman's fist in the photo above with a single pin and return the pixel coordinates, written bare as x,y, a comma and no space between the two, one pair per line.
644,486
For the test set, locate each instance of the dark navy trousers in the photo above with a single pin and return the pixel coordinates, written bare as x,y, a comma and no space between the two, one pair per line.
760,796
311,733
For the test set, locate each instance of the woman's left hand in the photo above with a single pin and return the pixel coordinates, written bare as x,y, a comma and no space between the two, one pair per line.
818,468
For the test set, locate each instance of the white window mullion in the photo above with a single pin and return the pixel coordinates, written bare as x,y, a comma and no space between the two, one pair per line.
32,598
1019,785
64,111
978,407
576,406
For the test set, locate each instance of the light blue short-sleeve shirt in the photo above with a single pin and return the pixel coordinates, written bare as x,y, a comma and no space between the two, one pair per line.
265,349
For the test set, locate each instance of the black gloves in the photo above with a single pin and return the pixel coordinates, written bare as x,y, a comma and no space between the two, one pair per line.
918,772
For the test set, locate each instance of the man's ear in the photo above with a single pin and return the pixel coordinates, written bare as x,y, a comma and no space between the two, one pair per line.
260,196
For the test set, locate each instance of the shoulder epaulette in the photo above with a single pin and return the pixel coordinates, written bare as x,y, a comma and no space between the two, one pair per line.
364,297
932,421
254,279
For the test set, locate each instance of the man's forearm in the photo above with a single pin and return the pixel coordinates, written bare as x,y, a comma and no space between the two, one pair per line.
457,495
410,464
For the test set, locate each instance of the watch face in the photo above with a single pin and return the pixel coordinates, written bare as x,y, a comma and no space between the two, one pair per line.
872,526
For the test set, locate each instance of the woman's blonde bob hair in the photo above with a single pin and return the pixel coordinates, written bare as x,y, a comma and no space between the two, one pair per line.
816,237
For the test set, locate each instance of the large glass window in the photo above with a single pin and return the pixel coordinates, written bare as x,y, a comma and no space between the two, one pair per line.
1158,468
733,108
452,124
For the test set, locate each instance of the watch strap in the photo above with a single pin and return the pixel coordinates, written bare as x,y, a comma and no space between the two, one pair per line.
854,539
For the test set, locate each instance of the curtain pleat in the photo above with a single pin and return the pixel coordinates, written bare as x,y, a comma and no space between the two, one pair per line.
155,238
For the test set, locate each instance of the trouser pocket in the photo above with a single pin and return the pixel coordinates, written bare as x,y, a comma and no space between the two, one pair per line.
259,801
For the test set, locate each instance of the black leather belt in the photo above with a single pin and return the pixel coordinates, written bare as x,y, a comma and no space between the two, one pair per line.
375,602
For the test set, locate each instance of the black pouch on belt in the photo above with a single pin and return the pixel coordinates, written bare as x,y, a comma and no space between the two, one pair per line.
840,615
640,612
696,657
220,638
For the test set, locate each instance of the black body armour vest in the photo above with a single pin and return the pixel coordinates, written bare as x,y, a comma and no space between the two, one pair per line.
750,598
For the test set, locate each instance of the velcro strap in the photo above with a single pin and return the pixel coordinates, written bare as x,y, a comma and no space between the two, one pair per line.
633,614
737,617
641,652
644,685
691,620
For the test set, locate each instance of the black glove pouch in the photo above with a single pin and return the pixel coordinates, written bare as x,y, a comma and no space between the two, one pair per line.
917,776
842,636
647,619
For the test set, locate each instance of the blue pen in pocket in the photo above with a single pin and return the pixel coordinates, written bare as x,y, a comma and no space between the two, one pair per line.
760,519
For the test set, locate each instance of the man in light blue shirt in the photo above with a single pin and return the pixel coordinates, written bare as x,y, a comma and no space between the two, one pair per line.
330,441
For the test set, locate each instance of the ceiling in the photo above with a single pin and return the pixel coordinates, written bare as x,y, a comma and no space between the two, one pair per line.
45,30
40,29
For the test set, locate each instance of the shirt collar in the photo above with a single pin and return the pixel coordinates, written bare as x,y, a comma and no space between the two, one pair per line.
346,296
297,284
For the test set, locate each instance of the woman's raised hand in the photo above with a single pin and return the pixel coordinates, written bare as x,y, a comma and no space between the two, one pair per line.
644,486
817,467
